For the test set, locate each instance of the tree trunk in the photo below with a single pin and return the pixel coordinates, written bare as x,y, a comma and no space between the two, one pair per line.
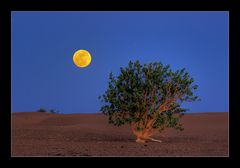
145,133
139,140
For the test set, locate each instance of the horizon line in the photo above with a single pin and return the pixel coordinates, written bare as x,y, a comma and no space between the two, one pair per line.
102,113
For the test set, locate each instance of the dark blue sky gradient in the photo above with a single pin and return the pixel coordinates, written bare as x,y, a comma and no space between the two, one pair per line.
43,43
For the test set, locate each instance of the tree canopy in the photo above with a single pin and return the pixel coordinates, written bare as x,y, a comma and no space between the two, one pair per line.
148,97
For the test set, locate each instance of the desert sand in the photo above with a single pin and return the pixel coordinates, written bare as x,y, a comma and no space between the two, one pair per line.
44,134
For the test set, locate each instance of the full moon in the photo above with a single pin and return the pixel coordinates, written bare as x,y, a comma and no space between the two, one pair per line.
82,58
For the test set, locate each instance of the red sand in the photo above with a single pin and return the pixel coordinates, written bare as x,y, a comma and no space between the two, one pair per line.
42,134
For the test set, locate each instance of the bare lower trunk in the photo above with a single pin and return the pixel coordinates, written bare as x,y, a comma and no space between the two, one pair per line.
139,140
144,135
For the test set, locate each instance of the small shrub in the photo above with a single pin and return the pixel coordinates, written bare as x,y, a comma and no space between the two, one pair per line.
41,110
54,111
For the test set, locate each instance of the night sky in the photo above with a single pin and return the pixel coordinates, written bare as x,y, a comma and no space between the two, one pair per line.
43,43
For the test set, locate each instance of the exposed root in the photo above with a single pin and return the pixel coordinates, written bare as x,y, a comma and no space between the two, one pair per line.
155,140
141,140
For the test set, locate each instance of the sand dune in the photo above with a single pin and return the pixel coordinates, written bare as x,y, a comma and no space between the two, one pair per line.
43,134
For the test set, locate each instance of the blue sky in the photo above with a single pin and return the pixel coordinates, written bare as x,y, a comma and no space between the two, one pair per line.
43,43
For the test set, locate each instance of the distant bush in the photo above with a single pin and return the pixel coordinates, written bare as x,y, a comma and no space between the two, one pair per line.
41,110
54,111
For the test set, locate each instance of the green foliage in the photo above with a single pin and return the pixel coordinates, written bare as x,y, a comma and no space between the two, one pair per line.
143,89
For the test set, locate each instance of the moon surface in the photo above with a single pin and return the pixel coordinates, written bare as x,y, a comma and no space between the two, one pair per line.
82,58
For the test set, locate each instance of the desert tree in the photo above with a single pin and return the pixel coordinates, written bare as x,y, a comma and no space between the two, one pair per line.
148,97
